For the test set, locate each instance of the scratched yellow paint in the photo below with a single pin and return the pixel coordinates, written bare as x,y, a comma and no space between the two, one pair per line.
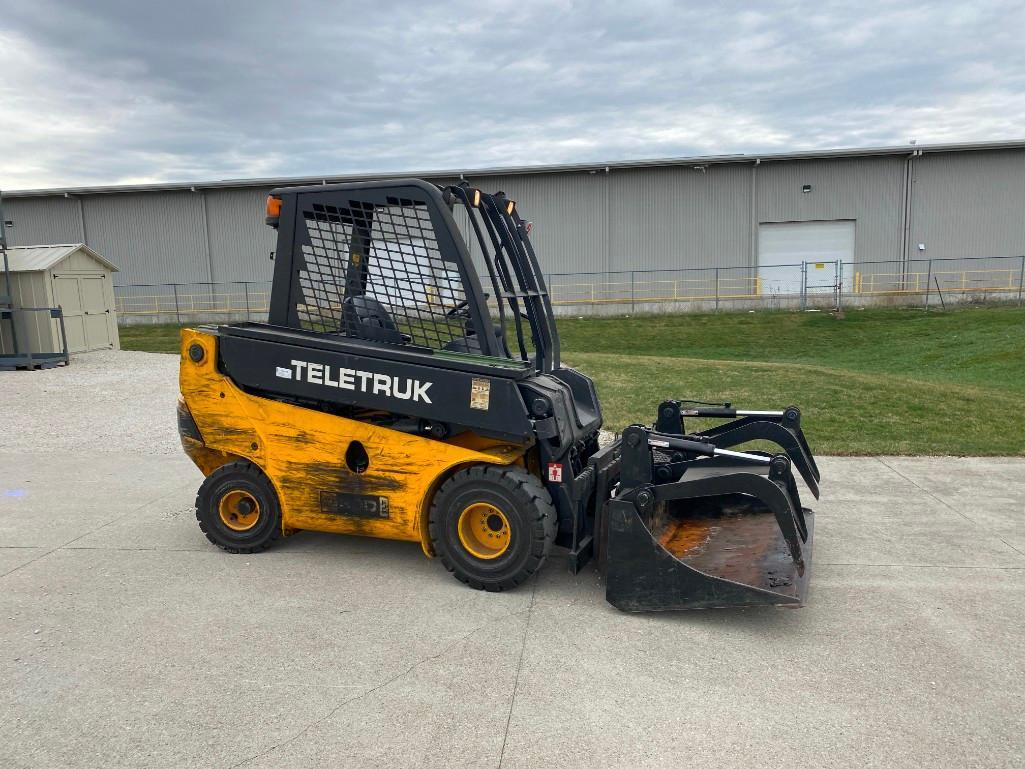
302,452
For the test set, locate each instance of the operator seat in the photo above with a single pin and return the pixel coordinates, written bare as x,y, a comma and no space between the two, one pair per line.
366,318
471,344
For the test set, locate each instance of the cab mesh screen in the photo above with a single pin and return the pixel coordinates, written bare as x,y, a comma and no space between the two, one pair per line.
376,272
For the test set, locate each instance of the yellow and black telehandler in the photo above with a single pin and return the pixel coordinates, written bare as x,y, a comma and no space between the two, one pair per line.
390,396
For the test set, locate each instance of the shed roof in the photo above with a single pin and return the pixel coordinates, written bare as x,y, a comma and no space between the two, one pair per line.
40,258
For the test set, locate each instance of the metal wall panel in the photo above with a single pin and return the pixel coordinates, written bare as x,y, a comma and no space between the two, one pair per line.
868,190
668,218
152,238
240,240
43,221
969,204
567,212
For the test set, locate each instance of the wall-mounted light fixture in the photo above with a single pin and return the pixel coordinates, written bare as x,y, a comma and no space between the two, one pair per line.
806,188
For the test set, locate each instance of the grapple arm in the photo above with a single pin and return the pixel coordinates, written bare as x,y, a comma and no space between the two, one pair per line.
780,427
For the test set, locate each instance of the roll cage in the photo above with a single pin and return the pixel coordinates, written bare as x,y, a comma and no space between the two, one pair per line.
517,281
386,262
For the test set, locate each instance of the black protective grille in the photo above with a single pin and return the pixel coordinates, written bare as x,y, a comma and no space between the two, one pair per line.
376,272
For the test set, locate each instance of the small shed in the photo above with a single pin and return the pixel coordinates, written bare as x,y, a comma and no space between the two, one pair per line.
73,277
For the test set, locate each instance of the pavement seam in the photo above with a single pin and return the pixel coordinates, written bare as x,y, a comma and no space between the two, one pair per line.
304,685
146,549
944,502
313,724
111,522
519,667
923,565
925,491
1019,552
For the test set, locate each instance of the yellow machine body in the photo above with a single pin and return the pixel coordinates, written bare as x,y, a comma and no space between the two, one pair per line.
304,453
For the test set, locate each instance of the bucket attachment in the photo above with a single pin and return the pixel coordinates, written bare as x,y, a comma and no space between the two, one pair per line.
693,526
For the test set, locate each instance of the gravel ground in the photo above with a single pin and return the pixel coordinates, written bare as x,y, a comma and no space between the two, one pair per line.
111,401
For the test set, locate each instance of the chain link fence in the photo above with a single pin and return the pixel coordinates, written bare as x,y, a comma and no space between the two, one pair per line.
193,302
803,285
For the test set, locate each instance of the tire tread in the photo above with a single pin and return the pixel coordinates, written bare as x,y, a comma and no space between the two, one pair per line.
532,495
247,468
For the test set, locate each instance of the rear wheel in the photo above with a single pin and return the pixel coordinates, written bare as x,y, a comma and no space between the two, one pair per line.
237,508
492,527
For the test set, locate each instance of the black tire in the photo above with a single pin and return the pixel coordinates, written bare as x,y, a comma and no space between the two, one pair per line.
527,509
230,485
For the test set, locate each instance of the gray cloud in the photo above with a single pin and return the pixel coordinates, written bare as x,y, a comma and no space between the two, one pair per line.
116,92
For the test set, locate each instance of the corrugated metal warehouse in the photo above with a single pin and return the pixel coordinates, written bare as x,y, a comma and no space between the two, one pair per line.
892,203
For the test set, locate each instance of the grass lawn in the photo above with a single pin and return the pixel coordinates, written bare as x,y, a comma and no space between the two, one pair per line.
874,382
164,338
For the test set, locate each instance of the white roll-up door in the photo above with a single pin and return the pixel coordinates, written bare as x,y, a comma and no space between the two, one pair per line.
784,246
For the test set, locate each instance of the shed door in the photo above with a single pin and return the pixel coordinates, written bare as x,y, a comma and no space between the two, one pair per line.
81,297
782,247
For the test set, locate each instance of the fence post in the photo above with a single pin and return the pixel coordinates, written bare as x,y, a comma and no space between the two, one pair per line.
177,312
1021,280
804,285
928,285
632,296
717,289
245,287
839,285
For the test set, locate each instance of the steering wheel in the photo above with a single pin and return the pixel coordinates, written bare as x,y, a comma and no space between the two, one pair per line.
459,310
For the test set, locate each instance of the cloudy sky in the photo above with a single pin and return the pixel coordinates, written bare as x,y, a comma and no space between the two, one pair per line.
105,92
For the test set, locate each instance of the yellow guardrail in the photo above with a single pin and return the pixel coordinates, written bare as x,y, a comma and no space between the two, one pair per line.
682,290
704,290
206,302
958,281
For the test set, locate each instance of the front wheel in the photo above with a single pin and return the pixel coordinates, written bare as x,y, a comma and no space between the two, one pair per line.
492,526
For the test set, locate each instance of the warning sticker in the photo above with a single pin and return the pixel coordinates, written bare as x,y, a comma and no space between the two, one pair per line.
480,393
554,472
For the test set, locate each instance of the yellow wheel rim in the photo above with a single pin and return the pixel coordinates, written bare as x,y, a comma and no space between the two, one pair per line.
484,530
239,510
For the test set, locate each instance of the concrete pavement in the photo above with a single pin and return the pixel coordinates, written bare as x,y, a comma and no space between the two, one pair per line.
126,640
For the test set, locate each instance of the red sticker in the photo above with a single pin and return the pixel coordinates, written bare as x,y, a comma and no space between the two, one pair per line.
554,472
